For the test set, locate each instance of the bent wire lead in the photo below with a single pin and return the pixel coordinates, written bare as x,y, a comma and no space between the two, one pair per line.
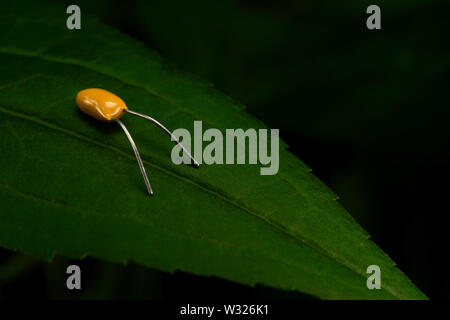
106,106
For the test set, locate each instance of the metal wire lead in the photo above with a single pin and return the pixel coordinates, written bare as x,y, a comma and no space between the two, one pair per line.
196,164
138,157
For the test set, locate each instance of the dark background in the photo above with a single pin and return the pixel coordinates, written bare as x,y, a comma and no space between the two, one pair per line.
366,110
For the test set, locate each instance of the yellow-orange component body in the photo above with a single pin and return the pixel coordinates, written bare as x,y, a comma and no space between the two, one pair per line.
100,104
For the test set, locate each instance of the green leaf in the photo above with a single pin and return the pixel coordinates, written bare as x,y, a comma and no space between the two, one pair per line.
70,185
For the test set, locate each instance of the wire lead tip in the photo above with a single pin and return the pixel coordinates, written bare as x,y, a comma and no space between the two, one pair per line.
138,157
161,126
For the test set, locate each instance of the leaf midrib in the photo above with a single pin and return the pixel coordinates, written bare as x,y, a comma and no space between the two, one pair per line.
308,242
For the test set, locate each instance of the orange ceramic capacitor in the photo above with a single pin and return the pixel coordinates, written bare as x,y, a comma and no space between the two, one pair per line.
100,104
106,106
